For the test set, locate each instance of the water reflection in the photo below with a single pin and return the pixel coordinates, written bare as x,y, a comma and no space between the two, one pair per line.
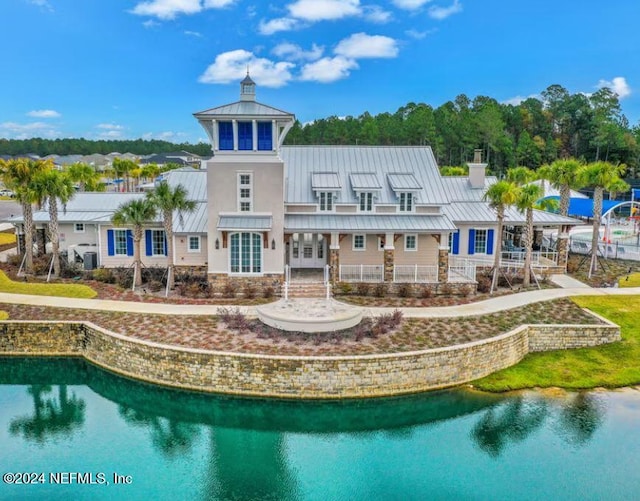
580,417
51,416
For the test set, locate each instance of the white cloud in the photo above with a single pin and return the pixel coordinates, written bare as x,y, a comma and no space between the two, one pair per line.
376,14
14,130
328,69
42,3
293,52
169,9
441,13
321,10
361,45
276,25
163,136
516,100
150,23
419,35
110,134
410,4
110,126
44,114
618,85
232,66
196,34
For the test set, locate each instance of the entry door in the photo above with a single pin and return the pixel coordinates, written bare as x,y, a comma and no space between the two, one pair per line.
307,250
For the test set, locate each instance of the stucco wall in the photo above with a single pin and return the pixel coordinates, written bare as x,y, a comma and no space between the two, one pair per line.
294,377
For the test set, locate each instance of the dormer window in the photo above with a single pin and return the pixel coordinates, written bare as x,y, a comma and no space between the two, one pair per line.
406,201
326,201
365,201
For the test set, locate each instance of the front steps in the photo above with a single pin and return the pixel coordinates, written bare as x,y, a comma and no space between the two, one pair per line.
307,290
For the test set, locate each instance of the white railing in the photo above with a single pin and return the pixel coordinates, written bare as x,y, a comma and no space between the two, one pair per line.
415,273
287,281
462,273
361,273
615,250
327,280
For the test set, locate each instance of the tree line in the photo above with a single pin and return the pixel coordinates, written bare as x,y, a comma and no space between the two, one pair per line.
535,132
81,146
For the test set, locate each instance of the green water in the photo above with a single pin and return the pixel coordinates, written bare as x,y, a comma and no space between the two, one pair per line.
62,416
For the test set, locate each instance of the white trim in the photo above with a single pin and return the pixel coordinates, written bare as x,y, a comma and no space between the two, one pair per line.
486,241
115,242
413,201
406,236
239,187
230,254
364,242
76,230
359,204
153,232
189,249
329,197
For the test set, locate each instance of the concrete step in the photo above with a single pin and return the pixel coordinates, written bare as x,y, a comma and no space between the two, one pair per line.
307,290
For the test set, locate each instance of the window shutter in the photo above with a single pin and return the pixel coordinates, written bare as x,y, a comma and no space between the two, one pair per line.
166,253
490,242
148,242
111,243
472,242
129,243
456,242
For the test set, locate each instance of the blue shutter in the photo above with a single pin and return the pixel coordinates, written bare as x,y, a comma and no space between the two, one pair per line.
129,243
245,135
456,242
111,243
148,242
225,135
165,243
472,242
490,242
264,136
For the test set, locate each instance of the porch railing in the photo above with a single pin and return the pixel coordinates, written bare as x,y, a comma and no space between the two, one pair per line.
415,273
361,273
461,270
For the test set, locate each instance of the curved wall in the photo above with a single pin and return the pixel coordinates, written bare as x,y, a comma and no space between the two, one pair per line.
291,376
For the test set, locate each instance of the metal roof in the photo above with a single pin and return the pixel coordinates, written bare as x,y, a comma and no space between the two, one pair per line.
480,212
365,181
302,161
325,181
399,182
193,180
192,222
244,222
458,188
550,191
243,108
368,223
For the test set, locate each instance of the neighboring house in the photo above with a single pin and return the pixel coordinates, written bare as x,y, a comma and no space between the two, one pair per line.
365,213
182,158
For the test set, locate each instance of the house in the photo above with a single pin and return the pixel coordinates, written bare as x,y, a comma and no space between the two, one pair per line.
359,213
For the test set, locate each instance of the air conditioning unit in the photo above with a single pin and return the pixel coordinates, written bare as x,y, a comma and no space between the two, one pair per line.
77,252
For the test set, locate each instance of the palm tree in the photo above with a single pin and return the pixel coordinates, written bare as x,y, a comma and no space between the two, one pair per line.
602,176
150,172
123,167
51,186
564,175
500,195
17,175
135,213
527,200
86,177
169,200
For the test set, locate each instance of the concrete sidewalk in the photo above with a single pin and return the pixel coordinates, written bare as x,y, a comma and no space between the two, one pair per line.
491,305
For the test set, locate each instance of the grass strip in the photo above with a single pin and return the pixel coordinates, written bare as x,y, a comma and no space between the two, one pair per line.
611,366
78,291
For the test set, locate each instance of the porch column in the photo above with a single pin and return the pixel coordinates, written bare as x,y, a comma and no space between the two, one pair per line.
563,250
334,257
234,124
389,257
443,259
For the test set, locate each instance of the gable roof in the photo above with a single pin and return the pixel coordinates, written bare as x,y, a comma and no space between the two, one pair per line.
246,108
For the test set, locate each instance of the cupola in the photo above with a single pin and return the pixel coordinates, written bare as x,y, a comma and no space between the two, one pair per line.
247,89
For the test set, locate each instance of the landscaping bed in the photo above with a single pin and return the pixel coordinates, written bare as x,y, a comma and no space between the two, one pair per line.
209,332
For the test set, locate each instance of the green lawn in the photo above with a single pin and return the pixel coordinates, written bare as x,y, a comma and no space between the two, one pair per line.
632,280
40,289
610,366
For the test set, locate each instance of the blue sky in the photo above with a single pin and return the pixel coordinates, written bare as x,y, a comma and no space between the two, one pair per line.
140,68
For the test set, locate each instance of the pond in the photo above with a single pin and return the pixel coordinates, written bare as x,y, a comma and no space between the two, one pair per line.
83,433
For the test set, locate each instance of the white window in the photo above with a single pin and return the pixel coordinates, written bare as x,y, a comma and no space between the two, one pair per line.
158,243
120,242
406,202
326,201
480,244
359,242
78,228
411,242
246,253
366,201
245,192
193,242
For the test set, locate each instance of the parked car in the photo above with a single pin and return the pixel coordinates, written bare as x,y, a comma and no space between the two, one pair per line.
7,193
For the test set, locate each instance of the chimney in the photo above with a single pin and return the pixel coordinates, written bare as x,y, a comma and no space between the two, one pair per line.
477,170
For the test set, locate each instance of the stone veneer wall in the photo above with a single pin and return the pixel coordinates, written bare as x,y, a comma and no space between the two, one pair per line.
291,376
219,282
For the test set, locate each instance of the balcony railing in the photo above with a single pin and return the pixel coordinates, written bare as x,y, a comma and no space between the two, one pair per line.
415,274
361,273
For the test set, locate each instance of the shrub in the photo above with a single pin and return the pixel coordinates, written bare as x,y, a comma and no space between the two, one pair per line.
229,290
268,292
404,290
249,291
155,285
362,288
484,283
426,292
380,290
104,275
234,319
345,288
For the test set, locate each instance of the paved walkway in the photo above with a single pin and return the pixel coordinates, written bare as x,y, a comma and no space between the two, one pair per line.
567,282
492,305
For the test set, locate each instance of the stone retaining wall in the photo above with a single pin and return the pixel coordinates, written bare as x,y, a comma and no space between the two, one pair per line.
290,376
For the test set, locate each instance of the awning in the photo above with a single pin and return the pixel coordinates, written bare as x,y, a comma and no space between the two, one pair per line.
427,223
583,207
241,222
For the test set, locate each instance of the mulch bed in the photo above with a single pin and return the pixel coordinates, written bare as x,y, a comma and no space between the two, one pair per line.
208,332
